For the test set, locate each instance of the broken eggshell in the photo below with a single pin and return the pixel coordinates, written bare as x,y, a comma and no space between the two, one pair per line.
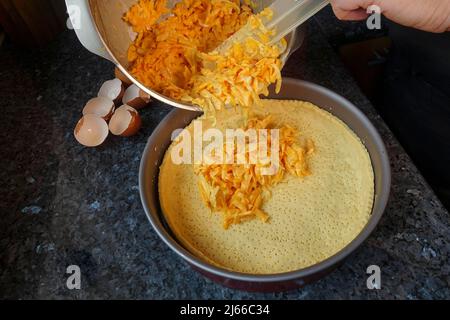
125,122
91,130
112,89
101,106
135,97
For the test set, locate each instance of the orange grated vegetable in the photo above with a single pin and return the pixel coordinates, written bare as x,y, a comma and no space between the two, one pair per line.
238,191
174,57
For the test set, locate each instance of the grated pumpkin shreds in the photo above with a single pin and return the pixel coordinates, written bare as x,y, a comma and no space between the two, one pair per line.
173,56
240,76
144,15
238,191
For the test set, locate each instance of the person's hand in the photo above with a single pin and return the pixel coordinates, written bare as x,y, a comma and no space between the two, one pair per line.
427,15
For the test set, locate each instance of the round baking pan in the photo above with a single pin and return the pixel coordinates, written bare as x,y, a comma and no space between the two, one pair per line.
294,90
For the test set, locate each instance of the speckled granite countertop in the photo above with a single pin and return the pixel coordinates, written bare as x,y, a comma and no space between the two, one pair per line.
62,204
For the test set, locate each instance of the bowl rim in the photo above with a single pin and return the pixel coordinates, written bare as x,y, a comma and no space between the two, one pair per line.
298,32
326,264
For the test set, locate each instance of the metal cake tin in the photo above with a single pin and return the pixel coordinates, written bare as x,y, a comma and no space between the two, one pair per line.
291,89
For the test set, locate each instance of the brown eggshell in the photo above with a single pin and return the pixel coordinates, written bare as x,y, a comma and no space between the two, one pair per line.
101,106
91,130
135,97
112,89
125,122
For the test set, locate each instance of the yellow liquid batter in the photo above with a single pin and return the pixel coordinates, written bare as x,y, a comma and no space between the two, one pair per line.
311,218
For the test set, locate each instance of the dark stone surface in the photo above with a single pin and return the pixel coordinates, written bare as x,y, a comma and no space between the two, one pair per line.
62,204
342,32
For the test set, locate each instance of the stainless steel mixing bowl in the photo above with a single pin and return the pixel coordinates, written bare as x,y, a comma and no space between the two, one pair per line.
291,89
101,29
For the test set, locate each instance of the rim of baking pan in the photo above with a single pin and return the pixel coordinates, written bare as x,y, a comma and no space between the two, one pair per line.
376,215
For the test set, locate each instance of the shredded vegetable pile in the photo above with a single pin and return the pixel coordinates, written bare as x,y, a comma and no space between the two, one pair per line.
238,191
240,76
174,56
